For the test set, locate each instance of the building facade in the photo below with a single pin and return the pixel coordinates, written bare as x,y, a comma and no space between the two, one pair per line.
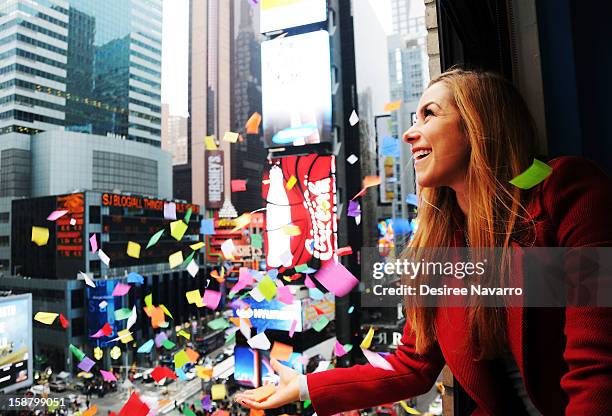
174,136
81,65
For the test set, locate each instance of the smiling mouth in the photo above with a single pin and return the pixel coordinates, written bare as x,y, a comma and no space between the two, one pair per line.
421,154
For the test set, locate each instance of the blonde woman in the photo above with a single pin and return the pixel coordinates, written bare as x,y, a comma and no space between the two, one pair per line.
472,136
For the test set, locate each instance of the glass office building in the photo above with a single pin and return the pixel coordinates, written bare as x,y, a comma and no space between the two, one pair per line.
82,65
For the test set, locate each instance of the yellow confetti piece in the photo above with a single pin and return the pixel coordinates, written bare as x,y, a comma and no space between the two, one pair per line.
367,341
209,142
177,229
133,249
46,318
292,230
393,105
197,246
125,336
241,222
40,235
175,259
230,137
218,391
291,182
183,333
409,409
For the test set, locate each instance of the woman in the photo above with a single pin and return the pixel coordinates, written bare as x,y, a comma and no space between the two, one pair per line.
472,136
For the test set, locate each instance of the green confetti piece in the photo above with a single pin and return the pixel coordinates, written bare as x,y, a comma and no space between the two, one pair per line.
321,323
231,338
155,238
187,216
148,299
123,313
536,173
348,347
167,344
267,288
351,309
188,259
187,411
301,267
219,323
166,311
307,403
77,352
256,241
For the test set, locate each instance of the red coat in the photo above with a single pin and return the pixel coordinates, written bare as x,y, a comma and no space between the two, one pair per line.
564,354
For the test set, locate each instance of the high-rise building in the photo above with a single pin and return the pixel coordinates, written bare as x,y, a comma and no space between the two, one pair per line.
33,65
209,92
248,156
81,65
80,101
174,136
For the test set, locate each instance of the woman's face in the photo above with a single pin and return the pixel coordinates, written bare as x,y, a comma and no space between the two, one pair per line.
439,147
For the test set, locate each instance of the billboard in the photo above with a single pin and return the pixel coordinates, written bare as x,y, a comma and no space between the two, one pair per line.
15,342
277,315
70,237
296,90
213,190
307,207
285,14
97,316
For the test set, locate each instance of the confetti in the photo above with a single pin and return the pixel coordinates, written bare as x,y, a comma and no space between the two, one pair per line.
230,137
352,159
46,318
354,118
57,214
155,238
533,175
40,235
336,278
169,211
393,105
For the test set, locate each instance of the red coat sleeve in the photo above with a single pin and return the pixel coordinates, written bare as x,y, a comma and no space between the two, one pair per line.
578,197
362,386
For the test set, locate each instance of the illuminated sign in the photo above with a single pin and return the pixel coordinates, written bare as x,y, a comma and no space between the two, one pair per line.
213,161
278,315
284,14
129,201
310,205
70,237
296,90
15,342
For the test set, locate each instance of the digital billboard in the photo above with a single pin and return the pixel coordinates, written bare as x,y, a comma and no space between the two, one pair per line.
15,342
285,14
70,237
296,90
388,153
301,218
277,315
98,316
246,366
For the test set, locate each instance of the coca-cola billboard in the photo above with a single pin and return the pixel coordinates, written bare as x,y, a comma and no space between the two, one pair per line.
301,213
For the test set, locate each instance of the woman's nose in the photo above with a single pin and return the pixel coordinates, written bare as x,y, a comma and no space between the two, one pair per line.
410,135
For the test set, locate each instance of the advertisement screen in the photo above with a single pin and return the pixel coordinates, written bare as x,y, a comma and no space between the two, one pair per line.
296,90
15,342
246,366
284,14
280,316
388,152
97,316
308,206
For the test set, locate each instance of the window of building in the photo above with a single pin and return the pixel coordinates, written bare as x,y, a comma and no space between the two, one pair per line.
94,214
76,298
4,240
4,217
78,327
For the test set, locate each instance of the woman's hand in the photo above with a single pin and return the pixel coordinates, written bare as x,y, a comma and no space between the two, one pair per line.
288,390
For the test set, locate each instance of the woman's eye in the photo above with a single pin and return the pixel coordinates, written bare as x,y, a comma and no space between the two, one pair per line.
427,112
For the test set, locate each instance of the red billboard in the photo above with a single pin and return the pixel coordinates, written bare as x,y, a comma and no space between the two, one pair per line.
69,227
301,211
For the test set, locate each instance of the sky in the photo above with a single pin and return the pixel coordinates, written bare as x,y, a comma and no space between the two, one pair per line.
175,45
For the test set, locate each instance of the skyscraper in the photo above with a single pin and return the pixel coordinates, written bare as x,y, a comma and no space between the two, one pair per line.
81,65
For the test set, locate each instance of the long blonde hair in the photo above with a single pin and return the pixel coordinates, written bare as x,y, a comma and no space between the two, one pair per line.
502,137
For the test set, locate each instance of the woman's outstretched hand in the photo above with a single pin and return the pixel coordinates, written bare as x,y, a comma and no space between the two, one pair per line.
288,390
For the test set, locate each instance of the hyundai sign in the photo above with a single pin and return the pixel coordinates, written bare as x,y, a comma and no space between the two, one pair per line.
296,90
